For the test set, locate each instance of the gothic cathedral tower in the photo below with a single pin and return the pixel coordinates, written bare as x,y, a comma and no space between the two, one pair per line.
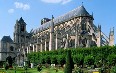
20,35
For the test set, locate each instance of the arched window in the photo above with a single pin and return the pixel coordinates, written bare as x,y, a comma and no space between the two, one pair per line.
11,48
83,25
22,27
84,42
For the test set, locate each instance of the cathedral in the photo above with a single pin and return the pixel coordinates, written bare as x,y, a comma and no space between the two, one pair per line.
71,30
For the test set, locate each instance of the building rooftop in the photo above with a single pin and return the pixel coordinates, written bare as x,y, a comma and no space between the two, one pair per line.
6,39
79,11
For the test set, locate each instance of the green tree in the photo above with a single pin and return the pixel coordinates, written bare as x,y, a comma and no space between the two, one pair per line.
89,60
113,69
61,60
54,60
48,60
111,59
68,66
9,60
78,59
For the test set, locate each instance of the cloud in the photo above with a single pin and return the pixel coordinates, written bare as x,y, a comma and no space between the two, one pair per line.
66,1
11,11
23,6
56,1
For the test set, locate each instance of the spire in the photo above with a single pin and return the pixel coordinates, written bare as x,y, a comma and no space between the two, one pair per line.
92,14
21,20
17,21
52,24
99,27
82,3
52,17
112,31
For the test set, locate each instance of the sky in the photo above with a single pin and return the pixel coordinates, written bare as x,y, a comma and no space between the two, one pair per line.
32,11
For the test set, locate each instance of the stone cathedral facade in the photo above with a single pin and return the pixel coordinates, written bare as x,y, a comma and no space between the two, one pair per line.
71,30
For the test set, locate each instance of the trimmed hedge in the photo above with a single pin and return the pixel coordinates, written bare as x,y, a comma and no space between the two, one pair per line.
81,56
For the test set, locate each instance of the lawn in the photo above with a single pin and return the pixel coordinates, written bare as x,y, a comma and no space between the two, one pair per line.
34,70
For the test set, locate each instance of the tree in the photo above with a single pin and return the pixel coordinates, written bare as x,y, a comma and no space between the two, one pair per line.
61,60
113,69
111,60
68,67
78,59
54,60
48,60
9,60
89,60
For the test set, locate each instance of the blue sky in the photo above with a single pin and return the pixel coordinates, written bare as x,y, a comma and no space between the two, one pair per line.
33,11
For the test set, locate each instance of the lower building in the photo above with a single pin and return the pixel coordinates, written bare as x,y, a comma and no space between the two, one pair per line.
7,48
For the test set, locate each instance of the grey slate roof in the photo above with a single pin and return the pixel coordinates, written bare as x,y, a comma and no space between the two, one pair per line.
21,21
6,39
80,11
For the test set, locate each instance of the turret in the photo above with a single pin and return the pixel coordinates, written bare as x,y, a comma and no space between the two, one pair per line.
99,36
111,37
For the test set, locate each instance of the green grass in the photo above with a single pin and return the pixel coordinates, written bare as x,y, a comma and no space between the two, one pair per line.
34,70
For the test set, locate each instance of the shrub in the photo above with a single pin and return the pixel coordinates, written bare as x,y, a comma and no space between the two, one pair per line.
89,60
54,60
68,67
98,60
78,59
96,55
61,60
48,60
113,69
111,59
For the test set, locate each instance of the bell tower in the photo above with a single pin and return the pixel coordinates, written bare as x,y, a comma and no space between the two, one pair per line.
19,33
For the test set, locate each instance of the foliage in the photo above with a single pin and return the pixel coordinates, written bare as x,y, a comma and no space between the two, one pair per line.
9,60
94,55
78,59
111,59
61,59
98,60
54,60
113,69
48,60
78,70
68,67
6,66
89,60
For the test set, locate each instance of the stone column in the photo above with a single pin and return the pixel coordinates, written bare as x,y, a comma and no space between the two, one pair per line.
56,41
66,44
88,43
37,48
76,40
27,49
45,45
33,48
41,46
76,37
51,41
